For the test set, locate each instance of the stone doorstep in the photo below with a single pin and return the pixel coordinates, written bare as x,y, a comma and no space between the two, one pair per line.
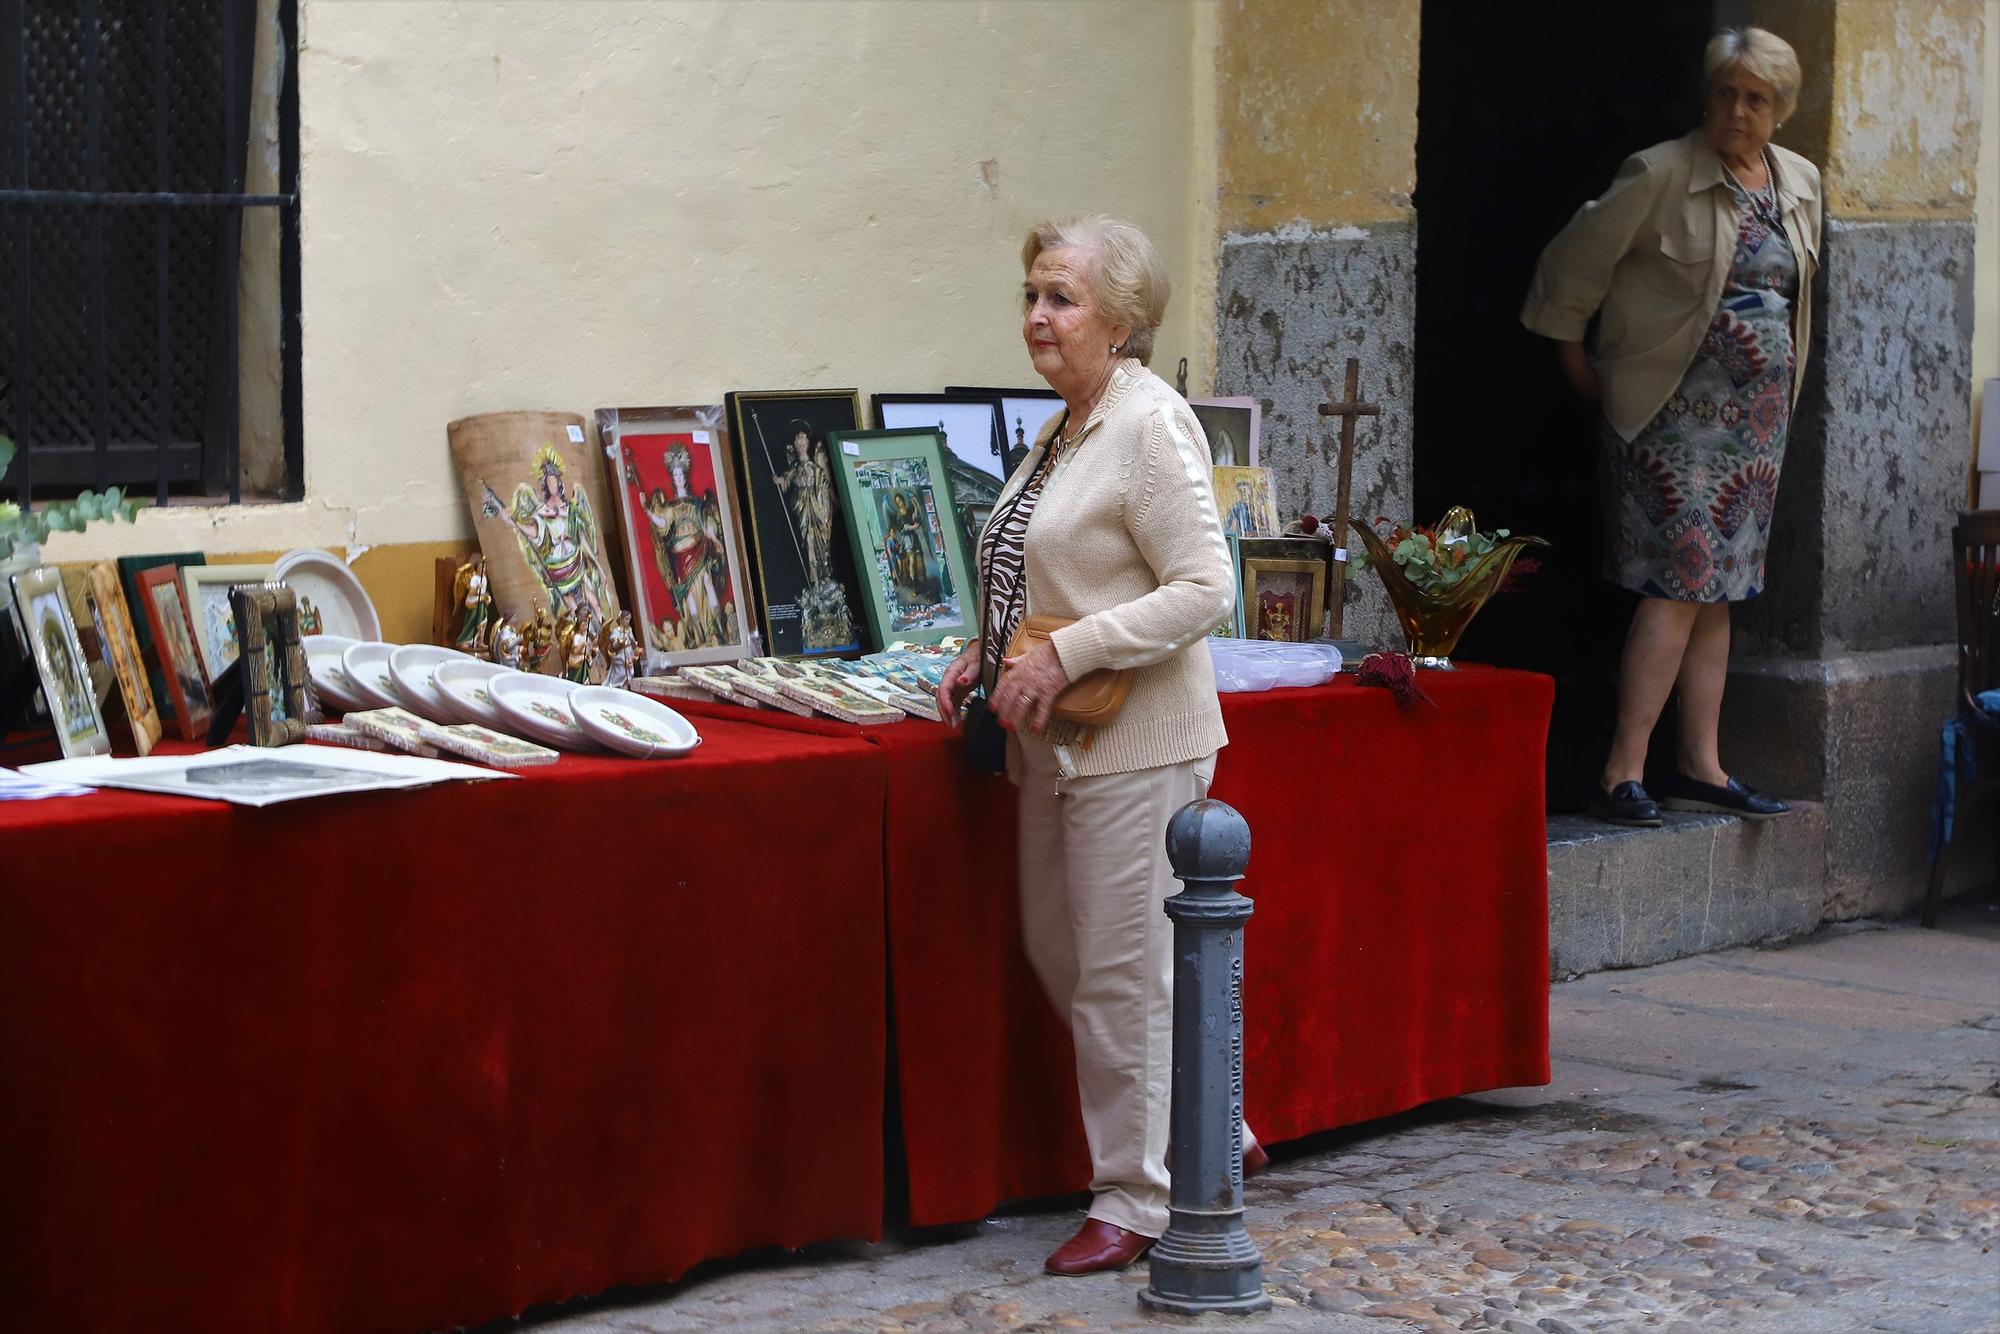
1623,898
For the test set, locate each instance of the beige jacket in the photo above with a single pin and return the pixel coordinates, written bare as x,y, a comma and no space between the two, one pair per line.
1126,539
1653,254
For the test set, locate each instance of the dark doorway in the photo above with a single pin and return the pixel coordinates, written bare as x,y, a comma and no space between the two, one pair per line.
1525,112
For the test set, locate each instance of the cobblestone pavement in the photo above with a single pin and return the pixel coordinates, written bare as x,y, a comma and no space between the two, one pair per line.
1803,1140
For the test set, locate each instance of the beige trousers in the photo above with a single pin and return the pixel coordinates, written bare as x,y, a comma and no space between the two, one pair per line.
1094,874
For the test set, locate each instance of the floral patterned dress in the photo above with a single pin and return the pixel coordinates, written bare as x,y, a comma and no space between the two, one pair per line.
1688,502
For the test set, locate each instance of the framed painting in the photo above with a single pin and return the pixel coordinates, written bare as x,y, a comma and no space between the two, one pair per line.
1232,426
1023,413
808,592
969,425
539,503
164,602
207,589
27,711
129,570
683,533
918,568
276,698
113,619
1247,500
58,654
1282,588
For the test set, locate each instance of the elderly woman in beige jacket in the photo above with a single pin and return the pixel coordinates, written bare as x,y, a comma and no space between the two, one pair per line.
1698,265
1111,523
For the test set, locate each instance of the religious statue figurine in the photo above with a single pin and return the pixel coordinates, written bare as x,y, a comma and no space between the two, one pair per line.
469,593
574,650
537,636
617,646
504,645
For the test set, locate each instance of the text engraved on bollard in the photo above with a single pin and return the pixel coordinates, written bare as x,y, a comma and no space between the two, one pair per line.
1236,1069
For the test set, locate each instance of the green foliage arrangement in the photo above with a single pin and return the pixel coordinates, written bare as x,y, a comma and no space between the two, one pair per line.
1434,561
19,527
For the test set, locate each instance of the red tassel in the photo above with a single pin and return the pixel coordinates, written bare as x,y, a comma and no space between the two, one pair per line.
1395,673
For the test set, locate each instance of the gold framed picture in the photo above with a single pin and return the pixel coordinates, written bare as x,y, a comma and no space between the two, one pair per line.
120,645
276,700
1283,588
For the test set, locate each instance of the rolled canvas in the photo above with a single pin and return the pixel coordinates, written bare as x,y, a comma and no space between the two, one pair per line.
535,485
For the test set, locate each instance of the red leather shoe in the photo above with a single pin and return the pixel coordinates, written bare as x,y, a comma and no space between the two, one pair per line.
1255,1160
1097,1248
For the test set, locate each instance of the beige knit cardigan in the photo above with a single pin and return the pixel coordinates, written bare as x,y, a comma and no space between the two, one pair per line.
1127,541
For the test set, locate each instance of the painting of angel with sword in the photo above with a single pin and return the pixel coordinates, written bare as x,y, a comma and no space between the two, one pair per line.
558,536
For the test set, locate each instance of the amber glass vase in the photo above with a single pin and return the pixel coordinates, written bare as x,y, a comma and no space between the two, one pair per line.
1433,621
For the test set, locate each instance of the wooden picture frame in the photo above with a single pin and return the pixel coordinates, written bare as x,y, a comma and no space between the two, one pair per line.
1281,586
277,699
164,600
680,518
120,646
1232,426
129,570
207,588
1023,414
896,486
59,662
809,595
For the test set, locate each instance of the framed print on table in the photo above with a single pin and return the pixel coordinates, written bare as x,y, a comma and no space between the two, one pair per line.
165,604
1281,587
1023,413
682,522
129,570
897,487
1232,426
969,425
808,593
113,618
1247,500
207,588
275,691
58,654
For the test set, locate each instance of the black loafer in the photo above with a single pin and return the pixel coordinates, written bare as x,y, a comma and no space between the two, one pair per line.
1682,793
1627,804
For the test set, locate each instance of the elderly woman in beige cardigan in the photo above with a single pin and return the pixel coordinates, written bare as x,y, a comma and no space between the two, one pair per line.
1698,264
1109,522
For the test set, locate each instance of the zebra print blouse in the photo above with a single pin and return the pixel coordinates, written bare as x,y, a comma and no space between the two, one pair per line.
1003,556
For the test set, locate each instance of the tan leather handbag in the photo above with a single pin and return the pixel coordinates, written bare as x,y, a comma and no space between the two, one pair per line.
1091,702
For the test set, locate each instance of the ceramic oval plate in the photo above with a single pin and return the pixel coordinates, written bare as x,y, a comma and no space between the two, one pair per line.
329,678
539,706
367,668
632,724
410,667
463,682
331,600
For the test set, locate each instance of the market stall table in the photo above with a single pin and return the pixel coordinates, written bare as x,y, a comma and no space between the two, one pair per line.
407,1060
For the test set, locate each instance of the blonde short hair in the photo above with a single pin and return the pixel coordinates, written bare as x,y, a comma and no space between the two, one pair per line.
1760,53
1127,275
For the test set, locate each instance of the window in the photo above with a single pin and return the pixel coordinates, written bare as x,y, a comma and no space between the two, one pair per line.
149,247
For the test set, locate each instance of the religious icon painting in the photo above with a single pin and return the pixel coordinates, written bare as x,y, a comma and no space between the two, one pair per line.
276,698
808,592
678,508
907,541
162,599
129,569
969,425
1281,586
1023,414
120,645
207,588
59,661
539,503
1248,501
1232,426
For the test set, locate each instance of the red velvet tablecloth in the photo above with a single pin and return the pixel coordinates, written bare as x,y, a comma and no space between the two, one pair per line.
405,1060
1398,953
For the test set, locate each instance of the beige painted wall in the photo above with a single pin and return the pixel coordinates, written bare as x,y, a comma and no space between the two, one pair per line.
1905,143
579,203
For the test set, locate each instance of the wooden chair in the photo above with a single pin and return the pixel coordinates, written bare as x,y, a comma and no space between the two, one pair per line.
1975,543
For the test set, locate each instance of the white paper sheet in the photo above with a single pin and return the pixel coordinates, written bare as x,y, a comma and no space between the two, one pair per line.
260,775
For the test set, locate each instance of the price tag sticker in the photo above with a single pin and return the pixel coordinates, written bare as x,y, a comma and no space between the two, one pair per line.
576,435
850,447
701,437
1340,554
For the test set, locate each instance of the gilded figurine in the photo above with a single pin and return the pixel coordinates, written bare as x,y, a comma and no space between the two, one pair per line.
575,654
471,594
537,637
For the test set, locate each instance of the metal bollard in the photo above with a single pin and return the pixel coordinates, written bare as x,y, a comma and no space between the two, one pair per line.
1207,1262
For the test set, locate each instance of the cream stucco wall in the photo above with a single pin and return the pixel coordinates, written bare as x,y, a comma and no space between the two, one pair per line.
581,203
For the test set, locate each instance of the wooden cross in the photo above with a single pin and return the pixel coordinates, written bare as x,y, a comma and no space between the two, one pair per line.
1347,410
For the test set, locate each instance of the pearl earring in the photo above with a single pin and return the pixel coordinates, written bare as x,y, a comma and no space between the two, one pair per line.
1114,349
